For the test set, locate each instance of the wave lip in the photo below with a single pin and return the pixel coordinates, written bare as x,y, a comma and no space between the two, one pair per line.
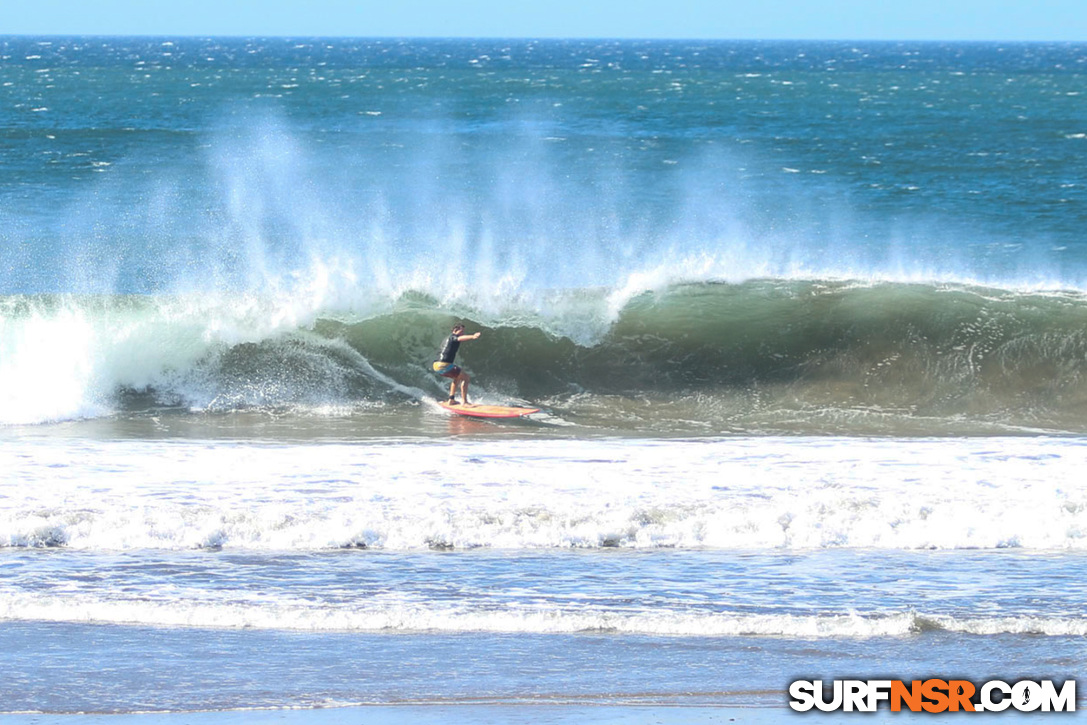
67,357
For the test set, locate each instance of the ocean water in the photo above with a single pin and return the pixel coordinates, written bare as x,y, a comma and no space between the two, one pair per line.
807,323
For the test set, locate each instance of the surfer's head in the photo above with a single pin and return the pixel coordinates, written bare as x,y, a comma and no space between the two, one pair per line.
457,328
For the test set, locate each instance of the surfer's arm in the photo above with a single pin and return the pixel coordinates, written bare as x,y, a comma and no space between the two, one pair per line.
462,338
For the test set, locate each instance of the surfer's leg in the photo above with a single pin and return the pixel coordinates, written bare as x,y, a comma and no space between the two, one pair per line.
464,387
453,373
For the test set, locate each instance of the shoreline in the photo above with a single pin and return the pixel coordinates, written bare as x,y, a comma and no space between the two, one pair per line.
425,714
490,714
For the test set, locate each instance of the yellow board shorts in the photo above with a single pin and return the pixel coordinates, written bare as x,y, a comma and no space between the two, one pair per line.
446,370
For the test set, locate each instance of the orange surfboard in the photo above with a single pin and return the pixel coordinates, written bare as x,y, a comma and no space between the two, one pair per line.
487,411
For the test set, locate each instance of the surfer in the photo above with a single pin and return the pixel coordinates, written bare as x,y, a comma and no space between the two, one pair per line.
445,367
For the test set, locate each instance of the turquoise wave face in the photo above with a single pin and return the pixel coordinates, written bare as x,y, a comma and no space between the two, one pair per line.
710,358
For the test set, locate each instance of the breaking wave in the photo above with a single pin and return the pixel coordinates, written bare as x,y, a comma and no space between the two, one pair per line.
722,356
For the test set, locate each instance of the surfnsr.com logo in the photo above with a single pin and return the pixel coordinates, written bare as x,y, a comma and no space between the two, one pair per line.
933,695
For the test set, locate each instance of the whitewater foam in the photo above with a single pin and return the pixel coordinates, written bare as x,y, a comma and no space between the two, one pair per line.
740,494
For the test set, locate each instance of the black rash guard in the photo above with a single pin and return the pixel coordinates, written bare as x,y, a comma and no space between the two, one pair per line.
449,349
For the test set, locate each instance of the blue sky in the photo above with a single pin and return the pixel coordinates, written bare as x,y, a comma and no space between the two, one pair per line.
777,19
